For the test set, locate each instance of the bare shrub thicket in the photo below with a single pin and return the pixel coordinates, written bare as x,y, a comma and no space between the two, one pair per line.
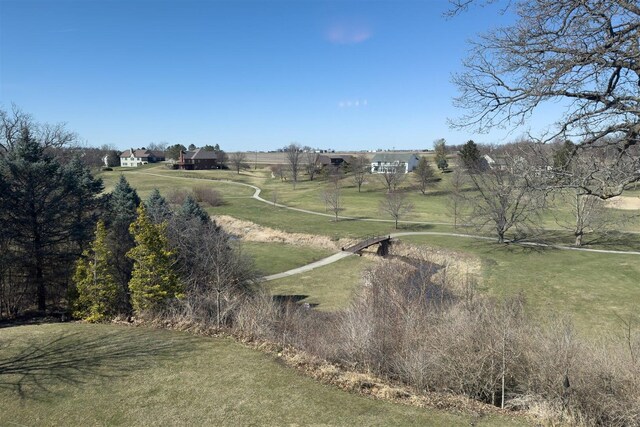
200,194
208,196
418,325
177,197
216,274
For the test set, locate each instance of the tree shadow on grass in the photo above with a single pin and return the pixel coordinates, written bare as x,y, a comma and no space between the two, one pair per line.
283,299
39,366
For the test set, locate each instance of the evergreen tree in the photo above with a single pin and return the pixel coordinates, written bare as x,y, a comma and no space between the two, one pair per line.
470,155
157,207
123,202
191,209
40,202
153,280
562,156
173,152
82,188
443,164
95,286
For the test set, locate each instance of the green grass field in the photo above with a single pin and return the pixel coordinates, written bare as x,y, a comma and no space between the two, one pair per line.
84,375
273,258
594,288
330,287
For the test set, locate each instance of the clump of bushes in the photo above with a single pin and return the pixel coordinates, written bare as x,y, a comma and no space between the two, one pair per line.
200,194
408,325
208,196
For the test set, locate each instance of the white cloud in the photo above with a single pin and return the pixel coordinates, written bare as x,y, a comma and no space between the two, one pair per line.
353,103
348,33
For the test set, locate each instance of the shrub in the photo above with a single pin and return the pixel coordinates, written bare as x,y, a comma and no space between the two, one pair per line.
177,197
208,196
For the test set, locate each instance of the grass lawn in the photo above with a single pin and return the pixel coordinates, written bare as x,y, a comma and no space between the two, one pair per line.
594,288
273,258
82,375
330,287
144,181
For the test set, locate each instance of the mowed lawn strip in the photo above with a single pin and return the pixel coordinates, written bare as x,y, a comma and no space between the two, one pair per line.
331,287
273,258
595,289
80,375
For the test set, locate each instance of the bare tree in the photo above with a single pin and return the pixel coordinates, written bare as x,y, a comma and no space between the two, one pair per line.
239,161
582,55
157,146
332,197
13,122
293,161
456,201
311,164
424,174
507,197
278,171
360,169
397,205
217,274
392,178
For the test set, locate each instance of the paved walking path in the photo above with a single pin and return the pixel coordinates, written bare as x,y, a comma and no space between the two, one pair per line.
340,255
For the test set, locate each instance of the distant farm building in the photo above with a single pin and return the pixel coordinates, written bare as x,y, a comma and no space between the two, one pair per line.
198,159
324,161
394,162
132,158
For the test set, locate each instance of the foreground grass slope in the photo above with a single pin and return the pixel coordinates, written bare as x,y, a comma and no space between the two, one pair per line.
79,374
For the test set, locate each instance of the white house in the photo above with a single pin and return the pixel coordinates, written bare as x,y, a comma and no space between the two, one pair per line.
385,162
132,158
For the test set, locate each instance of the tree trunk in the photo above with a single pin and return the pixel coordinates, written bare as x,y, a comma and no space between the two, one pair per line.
40,288
218,318
578,239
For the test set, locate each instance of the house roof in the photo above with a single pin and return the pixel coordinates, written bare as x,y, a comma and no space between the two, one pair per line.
200,154
326,160
142,153
136,153
393,157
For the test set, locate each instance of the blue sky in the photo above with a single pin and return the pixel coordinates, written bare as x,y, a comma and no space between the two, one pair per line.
248,75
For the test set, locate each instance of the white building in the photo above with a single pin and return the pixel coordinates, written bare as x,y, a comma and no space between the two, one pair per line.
132,158
385,162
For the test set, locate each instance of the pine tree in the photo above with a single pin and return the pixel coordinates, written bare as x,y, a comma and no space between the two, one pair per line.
96,288
123,202
44,222
157,207
83,187
191,209
153,280
470,154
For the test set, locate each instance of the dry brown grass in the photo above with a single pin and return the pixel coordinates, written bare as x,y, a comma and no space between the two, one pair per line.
628,203
252,232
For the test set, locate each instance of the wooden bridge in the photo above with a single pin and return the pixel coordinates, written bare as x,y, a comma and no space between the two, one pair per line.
383,249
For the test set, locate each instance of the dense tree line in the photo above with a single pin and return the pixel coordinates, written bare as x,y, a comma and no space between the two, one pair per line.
64,245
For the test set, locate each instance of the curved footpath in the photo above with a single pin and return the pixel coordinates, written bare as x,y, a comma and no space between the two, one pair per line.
340,255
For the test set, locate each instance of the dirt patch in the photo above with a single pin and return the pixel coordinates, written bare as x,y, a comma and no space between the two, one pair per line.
252,232
627,203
